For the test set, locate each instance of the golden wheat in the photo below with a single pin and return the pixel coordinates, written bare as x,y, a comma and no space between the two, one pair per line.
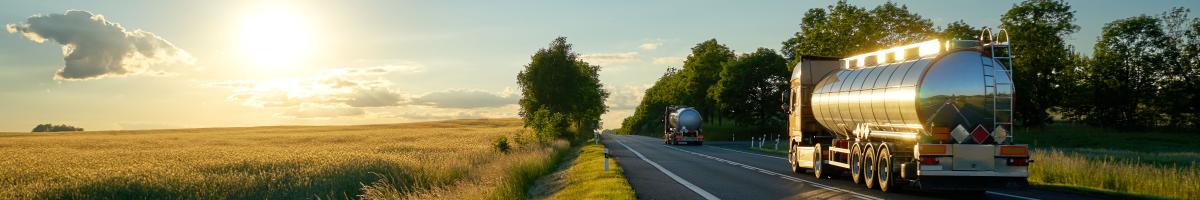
285,162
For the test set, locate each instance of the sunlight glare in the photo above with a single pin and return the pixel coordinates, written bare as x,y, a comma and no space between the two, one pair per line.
275,37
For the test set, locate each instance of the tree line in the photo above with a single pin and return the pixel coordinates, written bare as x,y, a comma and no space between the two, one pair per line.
1144,71
55,128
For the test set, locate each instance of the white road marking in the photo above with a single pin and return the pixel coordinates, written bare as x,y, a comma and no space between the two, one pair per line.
678,179
791,178
1010,195
784,176
768,156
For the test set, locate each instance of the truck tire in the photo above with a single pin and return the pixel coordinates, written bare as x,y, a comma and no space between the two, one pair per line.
883,163
855,162
699,143
869,168
792,158
818,167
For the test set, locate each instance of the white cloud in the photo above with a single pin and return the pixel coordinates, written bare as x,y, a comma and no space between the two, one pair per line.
610,58
460,98
625,97
318,111
96,48
651,45
670,60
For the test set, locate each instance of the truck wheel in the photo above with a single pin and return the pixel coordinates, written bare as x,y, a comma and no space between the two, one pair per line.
856,163
884,171
792,158
818,166
869,167
699,143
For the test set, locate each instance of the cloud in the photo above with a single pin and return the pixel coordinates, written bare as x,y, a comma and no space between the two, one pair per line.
95,47
670,60
610,58
625,97
651,45
425,113
308,110
459,98
330,89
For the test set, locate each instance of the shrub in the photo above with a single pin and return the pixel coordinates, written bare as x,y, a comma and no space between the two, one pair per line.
548,126
501,144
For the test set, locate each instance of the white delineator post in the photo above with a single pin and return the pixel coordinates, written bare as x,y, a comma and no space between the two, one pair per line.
605,159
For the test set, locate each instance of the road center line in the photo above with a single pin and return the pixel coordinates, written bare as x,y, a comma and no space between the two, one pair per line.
678,179
782,158
768,156
1010,195
784,176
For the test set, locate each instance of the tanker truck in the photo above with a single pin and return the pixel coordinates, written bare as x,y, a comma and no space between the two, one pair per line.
935,115
682,126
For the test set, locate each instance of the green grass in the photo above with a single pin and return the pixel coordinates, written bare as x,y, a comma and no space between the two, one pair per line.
1061,169
1062,135
770,149
429,160
1116,164
585,177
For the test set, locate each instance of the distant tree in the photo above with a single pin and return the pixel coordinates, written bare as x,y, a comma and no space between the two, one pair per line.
702,70
1181,78
55,128
1129,59
842,30
960,30
647,117
560,83
751,86
1037,28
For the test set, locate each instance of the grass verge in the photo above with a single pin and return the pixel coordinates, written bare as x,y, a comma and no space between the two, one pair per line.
584,177
1056,169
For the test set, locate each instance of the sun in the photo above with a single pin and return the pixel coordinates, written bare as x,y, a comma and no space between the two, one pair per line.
275,37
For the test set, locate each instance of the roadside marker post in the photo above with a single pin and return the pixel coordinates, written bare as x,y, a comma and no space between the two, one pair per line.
751,142
776,143
605,159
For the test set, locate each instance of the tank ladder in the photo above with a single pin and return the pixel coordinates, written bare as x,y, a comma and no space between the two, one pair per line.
1001,90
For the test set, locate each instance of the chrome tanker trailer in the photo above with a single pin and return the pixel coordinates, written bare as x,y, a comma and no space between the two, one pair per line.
682,126
932,115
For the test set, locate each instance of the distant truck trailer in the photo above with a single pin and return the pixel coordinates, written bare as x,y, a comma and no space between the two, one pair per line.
681,125
932,115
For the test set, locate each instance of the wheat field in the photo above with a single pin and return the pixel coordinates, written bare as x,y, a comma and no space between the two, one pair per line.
445,159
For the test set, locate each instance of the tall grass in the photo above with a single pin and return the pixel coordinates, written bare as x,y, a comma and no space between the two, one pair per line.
586,178
1056,167
415,160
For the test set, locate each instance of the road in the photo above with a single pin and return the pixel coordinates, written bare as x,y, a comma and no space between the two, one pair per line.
728,170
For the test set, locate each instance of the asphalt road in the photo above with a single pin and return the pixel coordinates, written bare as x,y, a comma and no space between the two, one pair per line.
728,170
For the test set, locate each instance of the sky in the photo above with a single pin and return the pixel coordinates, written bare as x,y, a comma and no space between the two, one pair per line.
142,64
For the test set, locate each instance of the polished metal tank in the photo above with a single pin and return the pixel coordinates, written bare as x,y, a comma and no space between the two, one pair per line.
905,100
685,118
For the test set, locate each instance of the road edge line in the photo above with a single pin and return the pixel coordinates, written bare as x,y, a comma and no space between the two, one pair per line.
677,179
781,175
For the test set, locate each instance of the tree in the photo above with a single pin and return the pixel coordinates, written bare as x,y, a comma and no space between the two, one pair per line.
1037,28
1181,78
557,82
647,117
750,88
960,30
702,70
1129,58
55,128
842,30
